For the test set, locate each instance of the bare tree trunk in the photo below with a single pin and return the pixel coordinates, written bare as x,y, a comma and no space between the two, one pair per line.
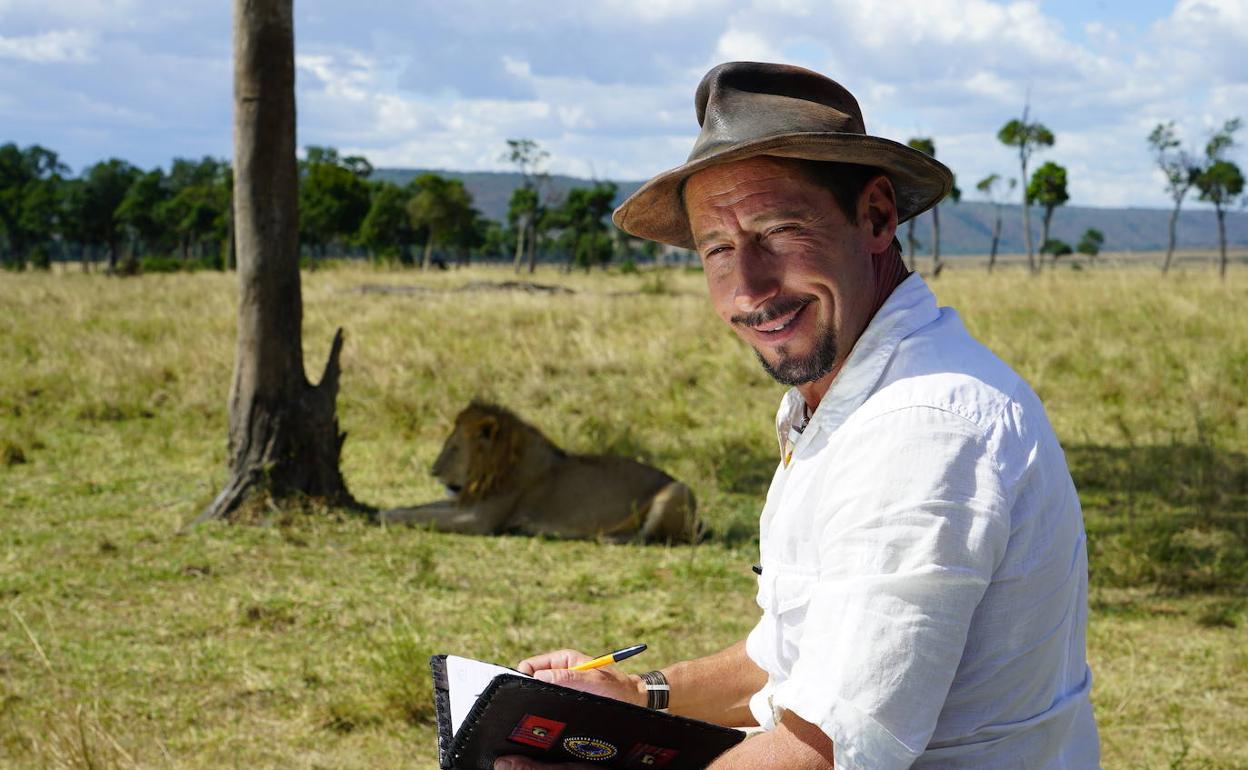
1044,233
284,438
996,239
937,265
522,239
1222,241
1031,251
1174,220
427,260
533,247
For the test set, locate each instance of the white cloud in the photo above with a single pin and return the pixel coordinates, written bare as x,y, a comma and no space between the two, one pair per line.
63,45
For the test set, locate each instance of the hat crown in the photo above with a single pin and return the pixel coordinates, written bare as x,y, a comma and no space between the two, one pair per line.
745,101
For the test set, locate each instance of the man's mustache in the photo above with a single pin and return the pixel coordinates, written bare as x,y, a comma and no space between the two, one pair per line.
772,311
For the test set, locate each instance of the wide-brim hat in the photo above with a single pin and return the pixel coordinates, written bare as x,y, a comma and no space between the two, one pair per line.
751,108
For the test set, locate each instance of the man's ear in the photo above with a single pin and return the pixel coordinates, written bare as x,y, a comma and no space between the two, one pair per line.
878,207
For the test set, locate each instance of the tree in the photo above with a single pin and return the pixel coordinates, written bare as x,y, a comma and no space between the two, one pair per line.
1056,249
386,230
988,186
333,197
527,156
443,207
94,205
198,209
1091,242
1220,181
284,439
928,147
1180,170
1027,137
30,188
581,218
139,210
1048,188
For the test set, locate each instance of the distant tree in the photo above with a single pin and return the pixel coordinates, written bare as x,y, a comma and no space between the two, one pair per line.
283,431
527,156
198,207
1180,170
525,214
387,230
94,205
988,186
333,197
582,221
30,199
1056,249
138,212
1091,242
1048,189
925,145
443,207
1220,181
1027,137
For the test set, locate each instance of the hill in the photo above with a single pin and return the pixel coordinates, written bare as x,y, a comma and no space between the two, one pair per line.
966,228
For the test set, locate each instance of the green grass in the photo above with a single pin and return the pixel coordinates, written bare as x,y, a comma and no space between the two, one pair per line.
124,643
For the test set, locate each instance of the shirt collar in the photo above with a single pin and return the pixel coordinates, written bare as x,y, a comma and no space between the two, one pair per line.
909,308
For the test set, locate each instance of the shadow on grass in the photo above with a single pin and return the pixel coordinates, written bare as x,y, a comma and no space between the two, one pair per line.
1172,516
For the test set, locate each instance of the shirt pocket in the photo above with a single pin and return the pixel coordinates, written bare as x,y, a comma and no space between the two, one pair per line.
789,599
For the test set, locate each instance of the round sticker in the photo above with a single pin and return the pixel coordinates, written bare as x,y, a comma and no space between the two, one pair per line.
589,748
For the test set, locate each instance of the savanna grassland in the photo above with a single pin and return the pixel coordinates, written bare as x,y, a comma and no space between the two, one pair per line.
126,642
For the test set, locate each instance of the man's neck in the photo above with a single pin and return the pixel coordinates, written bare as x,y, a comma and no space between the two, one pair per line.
889,271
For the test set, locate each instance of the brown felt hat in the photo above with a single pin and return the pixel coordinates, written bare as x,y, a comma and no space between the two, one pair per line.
749,108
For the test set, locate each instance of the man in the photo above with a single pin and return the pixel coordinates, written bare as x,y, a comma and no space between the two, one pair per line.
924,571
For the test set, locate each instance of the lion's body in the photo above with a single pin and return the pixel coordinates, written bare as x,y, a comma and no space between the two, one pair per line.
508,477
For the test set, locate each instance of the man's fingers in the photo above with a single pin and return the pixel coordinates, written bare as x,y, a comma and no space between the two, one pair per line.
551,660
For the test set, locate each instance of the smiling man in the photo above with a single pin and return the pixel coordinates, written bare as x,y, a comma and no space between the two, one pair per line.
924,570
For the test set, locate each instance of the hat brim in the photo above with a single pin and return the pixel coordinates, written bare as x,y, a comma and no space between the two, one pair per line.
655,211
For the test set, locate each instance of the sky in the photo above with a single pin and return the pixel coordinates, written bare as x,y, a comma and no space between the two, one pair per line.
606,86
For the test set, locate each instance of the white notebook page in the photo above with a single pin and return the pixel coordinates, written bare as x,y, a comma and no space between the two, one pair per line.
466,679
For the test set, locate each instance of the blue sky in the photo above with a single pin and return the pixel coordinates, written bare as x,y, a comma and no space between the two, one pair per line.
606,85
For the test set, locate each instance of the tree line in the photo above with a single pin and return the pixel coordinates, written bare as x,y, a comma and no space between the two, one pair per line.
129,219
133,219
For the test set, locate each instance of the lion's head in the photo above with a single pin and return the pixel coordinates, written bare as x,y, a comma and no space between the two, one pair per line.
481,451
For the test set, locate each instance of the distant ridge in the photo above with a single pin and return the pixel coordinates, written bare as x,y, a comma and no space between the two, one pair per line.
966,228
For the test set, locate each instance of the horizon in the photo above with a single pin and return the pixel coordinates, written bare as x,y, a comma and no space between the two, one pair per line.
607,86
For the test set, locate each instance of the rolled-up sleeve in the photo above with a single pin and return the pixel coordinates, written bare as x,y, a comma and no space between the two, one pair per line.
910,529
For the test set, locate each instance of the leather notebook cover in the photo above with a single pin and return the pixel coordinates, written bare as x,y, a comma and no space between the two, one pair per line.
518,715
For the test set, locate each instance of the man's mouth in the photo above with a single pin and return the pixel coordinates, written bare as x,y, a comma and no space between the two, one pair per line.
772,321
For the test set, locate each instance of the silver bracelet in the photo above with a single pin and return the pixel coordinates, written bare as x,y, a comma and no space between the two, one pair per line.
657,690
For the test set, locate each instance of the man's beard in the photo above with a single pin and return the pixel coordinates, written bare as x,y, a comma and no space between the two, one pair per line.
794,370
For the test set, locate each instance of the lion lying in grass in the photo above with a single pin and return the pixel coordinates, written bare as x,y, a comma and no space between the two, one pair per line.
505,476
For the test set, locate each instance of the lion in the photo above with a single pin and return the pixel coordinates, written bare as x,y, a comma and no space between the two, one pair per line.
504,476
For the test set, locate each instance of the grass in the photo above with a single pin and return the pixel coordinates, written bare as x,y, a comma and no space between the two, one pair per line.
126,643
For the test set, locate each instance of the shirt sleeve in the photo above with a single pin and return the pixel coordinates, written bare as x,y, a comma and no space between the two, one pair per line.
911,524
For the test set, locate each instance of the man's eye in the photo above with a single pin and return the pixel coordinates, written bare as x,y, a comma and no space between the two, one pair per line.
715,250
780,229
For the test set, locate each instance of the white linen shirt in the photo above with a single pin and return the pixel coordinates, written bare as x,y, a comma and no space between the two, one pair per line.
924,583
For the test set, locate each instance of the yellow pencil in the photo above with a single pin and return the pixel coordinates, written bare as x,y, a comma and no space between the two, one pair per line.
609,658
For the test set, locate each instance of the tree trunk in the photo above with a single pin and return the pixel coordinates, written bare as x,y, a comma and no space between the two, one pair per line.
1031,251
996,239
522,240
533,247
427,260
1221,240
284,439
1044,232
1174,221
911,244
937,265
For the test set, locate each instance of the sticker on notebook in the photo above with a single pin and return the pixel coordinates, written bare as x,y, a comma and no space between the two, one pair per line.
643,756
589,748
536,731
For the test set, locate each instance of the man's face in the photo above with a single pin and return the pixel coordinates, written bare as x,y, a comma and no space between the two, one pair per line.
786,268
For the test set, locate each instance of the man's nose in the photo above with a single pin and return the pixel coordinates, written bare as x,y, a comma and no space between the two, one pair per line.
758,278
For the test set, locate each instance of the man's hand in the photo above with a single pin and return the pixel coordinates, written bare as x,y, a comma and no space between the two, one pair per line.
608,681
